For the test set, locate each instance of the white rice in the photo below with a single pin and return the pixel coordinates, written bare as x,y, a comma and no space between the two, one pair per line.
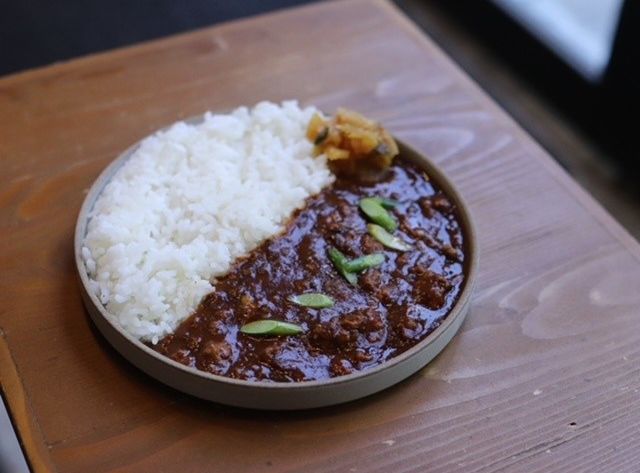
188,202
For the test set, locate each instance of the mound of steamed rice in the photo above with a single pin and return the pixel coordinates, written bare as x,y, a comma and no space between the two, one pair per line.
188,202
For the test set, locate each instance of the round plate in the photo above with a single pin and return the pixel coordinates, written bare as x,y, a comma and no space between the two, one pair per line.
270,395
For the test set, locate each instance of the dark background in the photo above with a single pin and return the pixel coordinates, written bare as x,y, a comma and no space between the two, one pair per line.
38,32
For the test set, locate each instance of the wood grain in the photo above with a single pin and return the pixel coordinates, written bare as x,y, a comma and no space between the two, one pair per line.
544,375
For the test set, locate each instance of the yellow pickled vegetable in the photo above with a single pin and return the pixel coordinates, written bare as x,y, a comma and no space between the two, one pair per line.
352,143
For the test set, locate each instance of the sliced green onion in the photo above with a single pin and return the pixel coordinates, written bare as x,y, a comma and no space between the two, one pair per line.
378,214
386,238
315,300
340,261
386,203
364,262
271,327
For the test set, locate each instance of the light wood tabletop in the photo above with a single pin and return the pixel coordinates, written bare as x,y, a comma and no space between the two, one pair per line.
544,375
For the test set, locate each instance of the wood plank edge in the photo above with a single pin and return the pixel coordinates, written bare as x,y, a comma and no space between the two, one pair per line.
27,429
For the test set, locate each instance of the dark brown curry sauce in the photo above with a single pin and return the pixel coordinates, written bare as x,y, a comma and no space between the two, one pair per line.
392,308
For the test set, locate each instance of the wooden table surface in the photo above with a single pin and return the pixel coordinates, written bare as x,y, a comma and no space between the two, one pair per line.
544,375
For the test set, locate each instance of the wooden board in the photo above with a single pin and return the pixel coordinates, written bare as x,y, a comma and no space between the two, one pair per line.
544,376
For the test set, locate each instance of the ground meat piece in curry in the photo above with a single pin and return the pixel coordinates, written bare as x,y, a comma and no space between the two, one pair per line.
392,308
